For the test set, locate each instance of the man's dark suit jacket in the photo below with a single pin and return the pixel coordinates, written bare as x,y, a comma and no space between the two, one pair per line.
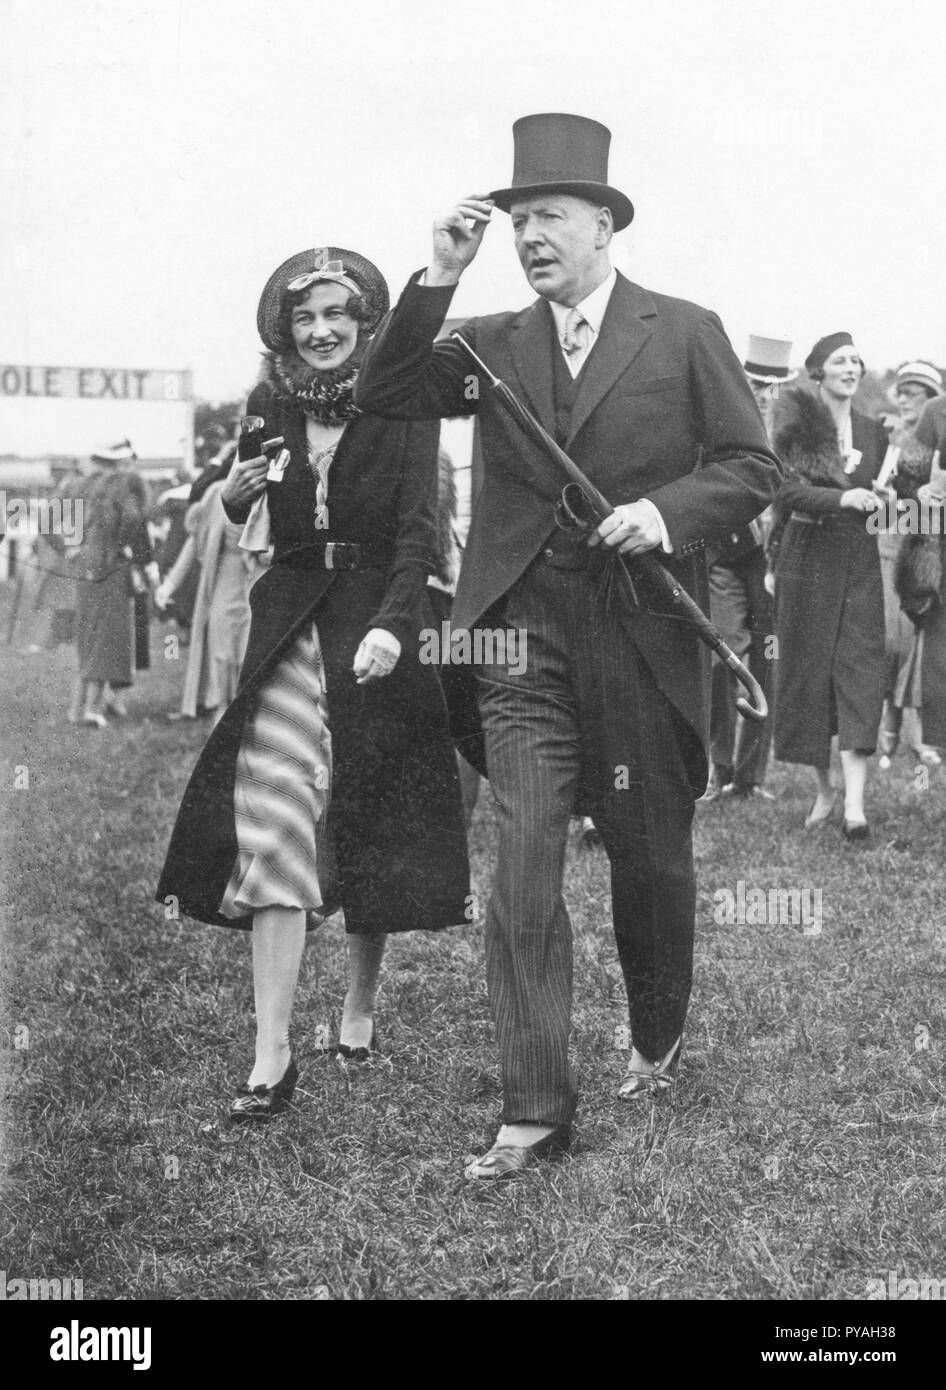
664,411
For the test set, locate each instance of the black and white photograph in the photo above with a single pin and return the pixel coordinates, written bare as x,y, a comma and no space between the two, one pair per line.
473,612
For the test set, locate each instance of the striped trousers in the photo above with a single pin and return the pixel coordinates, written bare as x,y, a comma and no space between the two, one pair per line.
583,712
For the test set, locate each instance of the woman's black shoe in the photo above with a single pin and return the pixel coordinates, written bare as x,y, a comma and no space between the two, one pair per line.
263,1102
856,830
359,1054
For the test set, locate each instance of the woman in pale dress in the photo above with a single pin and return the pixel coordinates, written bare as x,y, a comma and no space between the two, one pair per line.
330,779
220,623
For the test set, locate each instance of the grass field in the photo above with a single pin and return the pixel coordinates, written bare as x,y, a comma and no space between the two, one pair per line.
801,1158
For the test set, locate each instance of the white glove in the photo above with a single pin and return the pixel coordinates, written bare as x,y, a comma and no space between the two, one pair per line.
377,656
162,596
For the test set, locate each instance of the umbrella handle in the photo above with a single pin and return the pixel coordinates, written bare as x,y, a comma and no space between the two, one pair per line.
756,707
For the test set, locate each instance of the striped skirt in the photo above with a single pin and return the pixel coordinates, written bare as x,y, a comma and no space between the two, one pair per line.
282,790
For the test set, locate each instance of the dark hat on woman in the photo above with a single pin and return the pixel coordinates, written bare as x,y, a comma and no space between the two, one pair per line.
558,153
823,349
332,264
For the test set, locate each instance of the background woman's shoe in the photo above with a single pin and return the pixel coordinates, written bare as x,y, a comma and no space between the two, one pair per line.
640,1084
359,1054
856,830
815,822
93,721
928,756
263,1102
506,1160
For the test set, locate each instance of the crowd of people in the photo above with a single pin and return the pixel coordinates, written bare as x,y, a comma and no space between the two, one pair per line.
838,618
328,780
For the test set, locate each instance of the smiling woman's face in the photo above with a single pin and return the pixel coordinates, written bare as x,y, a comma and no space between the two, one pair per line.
842,373
323,332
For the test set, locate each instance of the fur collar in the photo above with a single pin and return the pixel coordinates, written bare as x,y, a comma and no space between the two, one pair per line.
325,396
807,442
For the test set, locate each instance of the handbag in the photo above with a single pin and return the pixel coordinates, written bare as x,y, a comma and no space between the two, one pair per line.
919,575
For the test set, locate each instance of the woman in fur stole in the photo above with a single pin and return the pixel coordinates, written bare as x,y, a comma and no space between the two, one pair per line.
330,780
829,605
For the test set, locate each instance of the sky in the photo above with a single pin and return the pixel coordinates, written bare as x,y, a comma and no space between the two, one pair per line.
160,159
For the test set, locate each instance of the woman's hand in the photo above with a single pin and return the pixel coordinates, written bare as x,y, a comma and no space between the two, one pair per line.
930,495
246,480
860,499
377,656
769,583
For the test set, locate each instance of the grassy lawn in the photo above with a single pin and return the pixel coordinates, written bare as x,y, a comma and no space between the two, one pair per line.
801,1157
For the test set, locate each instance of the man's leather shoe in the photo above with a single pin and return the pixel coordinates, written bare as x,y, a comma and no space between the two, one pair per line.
745,791
507,1160
658,1081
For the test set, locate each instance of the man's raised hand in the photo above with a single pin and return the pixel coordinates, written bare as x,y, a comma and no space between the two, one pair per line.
457,237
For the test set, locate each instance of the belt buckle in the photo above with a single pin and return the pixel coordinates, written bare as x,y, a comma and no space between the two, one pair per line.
330,554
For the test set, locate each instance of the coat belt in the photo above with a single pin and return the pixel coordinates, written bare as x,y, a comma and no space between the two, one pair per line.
336,555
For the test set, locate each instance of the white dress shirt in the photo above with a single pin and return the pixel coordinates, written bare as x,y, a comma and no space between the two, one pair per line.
592,310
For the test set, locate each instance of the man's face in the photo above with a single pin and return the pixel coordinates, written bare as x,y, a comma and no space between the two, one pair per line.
562,243
766,394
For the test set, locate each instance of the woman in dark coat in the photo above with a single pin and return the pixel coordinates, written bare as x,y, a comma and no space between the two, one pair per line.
334,706
921,575
115,549
829,604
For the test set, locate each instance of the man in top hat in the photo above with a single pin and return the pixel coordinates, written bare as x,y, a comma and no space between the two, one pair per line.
609,712
741,608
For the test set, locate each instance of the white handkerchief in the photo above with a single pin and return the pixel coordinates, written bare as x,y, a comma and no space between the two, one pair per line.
255,533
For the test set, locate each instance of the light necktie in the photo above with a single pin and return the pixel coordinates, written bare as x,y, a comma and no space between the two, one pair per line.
576,332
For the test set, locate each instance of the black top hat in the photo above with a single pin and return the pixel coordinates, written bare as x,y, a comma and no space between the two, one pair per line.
564,154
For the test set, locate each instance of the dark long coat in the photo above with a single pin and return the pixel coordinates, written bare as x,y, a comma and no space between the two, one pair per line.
829,601
395,809
913,471
664,412
115,535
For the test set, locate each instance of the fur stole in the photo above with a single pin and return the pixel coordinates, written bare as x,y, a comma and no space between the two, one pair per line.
918,577
325,396
806,440
913,467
